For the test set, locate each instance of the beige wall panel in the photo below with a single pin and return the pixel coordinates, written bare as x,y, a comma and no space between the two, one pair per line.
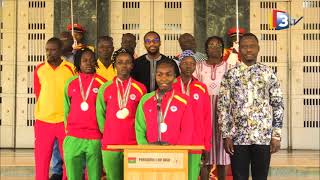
297,79
9,15
282,46
8,48
255,16
22,77
284,141
8,78
22,111
116,16
296,13
145,21
25,137
297,46
306,49
306,139
48,18
283,4
297,113
23,16
187,16
145,25
6,136
7,110
159,17
7,74
22,47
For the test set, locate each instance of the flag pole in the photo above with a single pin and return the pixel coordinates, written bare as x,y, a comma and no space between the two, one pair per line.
71,9
237,19
72,25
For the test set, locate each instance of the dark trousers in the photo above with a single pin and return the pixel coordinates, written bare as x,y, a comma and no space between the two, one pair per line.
256,155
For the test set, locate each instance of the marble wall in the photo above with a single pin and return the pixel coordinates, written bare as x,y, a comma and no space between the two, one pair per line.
212,17
215,17
93,15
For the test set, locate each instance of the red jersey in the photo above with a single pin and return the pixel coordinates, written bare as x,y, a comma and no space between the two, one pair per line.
80,123
179,119
200,101
116,130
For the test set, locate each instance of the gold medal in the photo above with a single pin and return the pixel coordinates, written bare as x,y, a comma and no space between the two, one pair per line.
84,106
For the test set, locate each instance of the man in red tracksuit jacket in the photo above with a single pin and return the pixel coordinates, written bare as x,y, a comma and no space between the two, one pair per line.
198,92
116,109
168,106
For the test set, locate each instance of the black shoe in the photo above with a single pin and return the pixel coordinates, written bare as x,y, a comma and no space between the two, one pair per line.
56,177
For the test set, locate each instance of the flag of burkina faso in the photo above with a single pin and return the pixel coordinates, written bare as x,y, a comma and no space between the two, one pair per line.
132,159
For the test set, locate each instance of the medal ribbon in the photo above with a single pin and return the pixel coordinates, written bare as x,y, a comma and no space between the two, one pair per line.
123,100
163,115
188,87
85,97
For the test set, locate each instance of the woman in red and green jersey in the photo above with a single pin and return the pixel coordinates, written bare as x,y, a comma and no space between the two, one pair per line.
82,143
198,93
116,109
164,115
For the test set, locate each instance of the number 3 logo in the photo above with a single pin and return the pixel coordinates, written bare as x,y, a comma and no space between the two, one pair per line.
282,20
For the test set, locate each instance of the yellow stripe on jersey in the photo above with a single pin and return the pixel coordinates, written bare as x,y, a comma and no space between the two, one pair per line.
200,87
137,87
99,80
180,99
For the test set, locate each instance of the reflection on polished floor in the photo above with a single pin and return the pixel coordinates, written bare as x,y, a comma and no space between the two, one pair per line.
299,164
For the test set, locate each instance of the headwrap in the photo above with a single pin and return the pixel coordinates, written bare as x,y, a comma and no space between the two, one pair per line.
186,53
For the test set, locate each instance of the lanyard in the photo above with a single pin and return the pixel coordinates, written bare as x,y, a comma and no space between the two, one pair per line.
123,100
187,91
85,96
163,115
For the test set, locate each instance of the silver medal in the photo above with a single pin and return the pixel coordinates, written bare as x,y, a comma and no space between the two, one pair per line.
84,106
125,112
122,113
163,127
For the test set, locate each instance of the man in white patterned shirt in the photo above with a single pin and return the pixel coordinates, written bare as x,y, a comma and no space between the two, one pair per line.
250,113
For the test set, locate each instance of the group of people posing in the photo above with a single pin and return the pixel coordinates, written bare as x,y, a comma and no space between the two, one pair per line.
225,101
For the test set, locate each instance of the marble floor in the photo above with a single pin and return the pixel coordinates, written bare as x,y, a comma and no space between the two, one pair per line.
299,164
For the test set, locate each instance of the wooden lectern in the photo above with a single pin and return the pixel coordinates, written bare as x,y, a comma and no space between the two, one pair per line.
155,162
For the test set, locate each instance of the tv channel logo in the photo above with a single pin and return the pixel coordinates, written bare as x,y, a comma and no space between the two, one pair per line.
281,20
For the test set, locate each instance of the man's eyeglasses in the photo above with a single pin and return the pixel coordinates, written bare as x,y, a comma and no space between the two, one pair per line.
155,40
214,46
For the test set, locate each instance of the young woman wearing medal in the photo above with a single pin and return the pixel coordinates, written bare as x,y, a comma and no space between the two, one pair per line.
82,143
197,91
164,115
116,109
